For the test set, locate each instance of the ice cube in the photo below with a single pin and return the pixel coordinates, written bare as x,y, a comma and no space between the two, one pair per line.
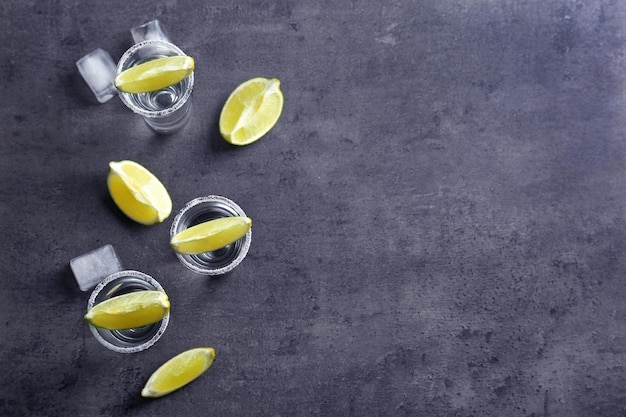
92,267
98,70
149,31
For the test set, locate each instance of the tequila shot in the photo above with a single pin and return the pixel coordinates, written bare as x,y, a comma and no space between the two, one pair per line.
203,209
165,110
128,340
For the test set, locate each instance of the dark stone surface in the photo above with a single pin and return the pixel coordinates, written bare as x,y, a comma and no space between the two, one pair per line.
439,221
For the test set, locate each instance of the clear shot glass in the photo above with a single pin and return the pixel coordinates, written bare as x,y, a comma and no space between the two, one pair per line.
165,110
203,209
129,340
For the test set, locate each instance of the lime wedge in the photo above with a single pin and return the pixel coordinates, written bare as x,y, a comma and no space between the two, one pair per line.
251,110
135,309
138,193
178,372
155,74
211,235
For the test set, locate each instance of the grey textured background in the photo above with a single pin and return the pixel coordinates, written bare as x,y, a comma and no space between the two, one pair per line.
439,221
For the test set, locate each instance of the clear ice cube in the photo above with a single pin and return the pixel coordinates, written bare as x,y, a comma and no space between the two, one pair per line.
98,70
152,30
92,267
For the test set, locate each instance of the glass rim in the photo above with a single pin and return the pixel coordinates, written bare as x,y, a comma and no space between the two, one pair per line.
185,259
132,349
125,97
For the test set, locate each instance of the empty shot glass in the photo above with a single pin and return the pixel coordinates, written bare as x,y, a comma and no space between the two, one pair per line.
203,209
128,340
165,110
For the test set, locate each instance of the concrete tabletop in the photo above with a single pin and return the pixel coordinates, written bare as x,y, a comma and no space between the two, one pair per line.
438,216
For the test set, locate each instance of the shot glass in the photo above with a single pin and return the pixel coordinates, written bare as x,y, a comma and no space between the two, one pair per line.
165,110
203,209
101,272
128,340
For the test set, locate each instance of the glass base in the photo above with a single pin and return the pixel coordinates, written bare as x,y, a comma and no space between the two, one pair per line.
172,123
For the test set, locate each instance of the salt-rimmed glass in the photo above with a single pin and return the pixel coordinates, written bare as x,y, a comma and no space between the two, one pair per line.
165,110
129,340
203,209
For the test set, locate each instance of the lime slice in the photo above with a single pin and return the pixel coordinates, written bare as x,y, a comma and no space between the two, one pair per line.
211,235
155,74
251,111
178,372
135,309
138,193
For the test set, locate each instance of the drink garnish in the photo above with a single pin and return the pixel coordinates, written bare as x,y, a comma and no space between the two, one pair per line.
154,75
211,235
127,311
